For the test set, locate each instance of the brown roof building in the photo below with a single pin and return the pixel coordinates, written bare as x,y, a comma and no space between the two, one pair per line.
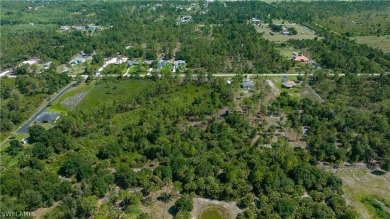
301,58
289,84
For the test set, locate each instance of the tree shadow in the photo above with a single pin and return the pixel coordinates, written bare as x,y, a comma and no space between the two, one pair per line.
378,172
172,211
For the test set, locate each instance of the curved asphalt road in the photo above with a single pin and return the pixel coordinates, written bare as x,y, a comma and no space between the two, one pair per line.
24,128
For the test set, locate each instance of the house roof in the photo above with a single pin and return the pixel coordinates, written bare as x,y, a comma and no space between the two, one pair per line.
148,62
289,84
179,62
47,117
131,63
301,58
248,84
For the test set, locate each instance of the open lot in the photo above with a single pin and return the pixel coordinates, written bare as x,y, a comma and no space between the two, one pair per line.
360,183
303,33
111,90
378,42
357,23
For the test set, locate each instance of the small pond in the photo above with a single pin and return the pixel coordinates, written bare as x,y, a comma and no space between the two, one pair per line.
213,212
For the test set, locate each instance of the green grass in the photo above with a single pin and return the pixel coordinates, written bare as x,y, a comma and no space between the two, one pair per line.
359,184
278,84
376,206
18,136
56,107
357,22
381,42
78,68
111,90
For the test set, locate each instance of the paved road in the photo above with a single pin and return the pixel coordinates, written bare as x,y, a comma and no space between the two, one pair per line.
249,75
24,127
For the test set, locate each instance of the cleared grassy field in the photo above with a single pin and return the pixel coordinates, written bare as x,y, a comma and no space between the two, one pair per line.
360,184
358,23
303,33
381,42
112,90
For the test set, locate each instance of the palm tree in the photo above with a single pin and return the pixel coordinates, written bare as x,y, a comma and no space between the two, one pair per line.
165,197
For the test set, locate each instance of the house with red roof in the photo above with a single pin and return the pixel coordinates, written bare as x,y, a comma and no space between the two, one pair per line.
301,58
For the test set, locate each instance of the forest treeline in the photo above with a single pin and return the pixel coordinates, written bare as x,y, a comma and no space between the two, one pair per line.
225,39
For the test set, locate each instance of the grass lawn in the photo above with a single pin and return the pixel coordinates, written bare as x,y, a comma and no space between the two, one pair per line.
58,107
111,90
7,160
278,37
362,188
77,69
278,84
286,51
381,42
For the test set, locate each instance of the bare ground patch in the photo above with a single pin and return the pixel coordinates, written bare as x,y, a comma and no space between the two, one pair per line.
71,102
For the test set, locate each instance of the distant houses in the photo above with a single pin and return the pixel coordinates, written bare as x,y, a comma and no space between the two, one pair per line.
184,19
64,28
81,28
178,63
47,65
255,21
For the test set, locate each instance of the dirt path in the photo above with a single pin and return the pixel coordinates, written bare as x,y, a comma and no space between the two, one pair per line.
40,212
202,203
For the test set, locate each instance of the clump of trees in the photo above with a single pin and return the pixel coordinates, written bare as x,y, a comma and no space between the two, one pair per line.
20,96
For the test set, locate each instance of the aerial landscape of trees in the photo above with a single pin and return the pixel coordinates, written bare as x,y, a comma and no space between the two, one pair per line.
149,143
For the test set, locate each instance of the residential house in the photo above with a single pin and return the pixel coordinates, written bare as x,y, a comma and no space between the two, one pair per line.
47,65
285,31
178,63
132,63
248,84
185,19
148,62
64,28
301,58
289,84
47,117
255,21
25,141
77,61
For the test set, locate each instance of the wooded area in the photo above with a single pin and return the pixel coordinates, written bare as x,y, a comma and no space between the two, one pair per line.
140,140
